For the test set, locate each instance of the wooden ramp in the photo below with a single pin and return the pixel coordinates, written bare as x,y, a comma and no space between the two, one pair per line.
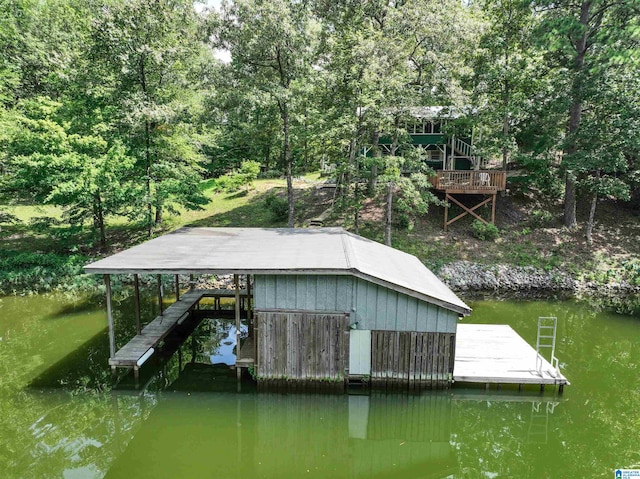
496,354
131,354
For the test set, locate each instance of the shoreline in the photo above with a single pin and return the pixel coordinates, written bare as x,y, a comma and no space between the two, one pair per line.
527,282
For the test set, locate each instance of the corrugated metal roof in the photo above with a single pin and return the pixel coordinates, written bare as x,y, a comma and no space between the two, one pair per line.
281,251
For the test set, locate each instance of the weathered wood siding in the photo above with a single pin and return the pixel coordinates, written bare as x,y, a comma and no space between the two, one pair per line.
383,309
412,360
302,346
374,307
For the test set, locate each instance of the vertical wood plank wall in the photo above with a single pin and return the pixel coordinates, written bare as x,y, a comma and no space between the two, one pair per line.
412,360
302,347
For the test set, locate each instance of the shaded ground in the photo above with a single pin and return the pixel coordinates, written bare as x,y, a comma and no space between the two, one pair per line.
531,233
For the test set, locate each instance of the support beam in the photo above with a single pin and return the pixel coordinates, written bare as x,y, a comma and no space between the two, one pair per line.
159,277
236,283
136,285
177,287
112,335
493,209
249,307
467,210
446,211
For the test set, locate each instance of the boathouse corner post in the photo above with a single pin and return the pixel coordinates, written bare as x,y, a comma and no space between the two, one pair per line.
160,293
136,285
236,284
112,336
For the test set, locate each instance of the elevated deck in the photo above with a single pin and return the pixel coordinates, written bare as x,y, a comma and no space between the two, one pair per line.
496,354
140,346
473,182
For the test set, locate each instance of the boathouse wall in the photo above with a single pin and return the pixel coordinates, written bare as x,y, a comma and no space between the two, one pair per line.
371,306
392,337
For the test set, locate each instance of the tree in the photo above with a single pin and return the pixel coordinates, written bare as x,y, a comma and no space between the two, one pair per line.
583,40
504,75
272,47
145,49
83,174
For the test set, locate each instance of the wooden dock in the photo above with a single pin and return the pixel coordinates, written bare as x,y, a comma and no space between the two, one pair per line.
141,346
496,354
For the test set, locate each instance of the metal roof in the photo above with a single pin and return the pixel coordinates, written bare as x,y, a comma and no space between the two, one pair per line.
281,251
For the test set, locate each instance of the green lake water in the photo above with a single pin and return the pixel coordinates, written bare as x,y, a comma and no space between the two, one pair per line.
59,417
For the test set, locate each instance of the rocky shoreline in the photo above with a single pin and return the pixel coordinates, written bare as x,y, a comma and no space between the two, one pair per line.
468,277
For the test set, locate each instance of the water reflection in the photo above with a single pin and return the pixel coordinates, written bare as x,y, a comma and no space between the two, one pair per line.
60,418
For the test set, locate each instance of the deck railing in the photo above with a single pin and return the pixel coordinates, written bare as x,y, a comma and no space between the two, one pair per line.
470,180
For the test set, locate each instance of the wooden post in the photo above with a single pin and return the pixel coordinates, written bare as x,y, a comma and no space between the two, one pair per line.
136,285
452,163
249,312
192,284
160,294
177,287
493,210
112,335
446,210
236,283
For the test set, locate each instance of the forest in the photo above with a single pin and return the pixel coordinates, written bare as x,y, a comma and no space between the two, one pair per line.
124,112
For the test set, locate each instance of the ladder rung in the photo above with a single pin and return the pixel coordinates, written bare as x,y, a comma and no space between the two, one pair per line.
546,337
546,327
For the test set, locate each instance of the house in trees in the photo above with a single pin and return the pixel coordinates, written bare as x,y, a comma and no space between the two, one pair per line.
449,150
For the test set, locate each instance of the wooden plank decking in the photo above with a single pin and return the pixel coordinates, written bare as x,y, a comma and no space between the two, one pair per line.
496,354
161,326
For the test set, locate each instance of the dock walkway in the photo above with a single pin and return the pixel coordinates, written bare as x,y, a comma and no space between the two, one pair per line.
496,354
140,346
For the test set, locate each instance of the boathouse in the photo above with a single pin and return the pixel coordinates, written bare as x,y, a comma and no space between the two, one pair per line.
322,304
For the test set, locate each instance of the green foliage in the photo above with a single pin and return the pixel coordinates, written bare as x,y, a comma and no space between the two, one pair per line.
541,218
243,177
485,232
270,174
36,272
277,205
52,165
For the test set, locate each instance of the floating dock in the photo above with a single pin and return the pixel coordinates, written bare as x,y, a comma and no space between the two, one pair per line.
496,354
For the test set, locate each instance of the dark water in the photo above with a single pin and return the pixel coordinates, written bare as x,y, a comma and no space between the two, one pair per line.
59,418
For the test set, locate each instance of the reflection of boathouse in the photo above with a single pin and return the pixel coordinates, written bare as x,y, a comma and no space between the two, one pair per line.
327,305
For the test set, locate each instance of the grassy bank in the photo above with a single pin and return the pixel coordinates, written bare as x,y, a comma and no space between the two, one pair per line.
41,253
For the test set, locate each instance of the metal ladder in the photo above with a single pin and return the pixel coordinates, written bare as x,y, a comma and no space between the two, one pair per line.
547,327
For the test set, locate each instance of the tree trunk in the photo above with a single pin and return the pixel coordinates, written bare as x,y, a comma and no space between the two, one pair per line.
506,100
387,223
148,179
356,209
570,200
592,214
287,161
98,221
373,179
575,114
158,220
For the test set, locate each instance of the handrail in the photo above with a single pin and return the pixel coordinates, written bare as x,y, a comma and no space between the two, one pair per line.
470,180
